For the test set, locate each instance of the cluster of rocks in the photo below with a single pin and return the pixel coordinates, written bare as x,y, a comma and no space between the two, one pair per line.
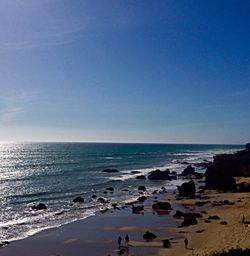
221,173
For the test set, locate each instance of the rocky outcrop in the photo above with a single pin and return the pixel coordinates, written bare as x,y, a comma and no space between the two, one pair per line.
220,174
137,209
243,187
166,243
141,177
142,188
159,175
78,199
189,170
39,207
149,236
189,219
187,189
161,206
110,170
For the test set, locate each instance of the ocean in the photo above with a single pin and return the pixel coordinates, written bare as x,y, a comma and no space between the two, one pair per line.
56,173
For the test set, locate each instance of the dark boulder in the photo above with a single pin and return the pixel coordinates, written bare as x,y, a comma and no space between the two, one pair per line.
135,172
110,188
78,199
149,236
159,175
178,214
141,177
243,187
141,199
220,176
166,243
187,189
102,200
188,171
142,188
161,206
137,209
39,207
214,217
189,219
110,170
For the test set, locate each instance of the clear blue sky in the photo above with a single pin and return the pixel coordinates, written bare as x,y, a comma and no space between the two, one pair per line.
125,71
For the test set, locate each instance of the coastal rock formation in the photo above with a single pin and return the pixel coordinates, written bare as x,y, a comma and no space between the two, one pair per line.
141,177
187,189
39,207
137,209
159,175
142,188
189,219
110,170
102,200
220,174
189,170
149,236
243,187
161,206
78,199
166,243
110,188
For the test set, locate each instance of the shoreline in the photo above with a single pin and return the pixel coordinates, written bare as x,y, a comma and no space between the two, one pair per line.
97,235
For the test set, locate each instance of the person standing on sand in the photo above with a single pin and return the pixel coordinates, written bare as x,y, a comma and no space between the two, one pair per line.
119,240
127,239
186,243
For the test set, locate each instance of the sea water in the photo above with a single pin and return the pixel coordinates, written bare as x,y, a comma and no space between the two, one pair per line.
55,173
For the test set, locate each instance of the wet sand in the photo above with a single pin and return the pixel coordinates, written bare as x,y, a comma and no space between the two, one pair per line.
98,235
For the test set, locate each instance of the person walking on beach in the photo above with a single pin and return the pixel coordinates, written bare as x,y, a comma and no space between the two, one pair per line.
186,243
119,240
243,219
127,239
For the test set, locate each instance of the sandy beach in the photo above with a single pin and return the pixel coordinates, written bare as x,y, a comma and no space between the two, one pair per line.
98,235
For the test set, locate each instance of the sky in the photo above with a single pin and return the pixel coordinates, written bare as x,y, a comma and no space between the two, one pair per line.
169,71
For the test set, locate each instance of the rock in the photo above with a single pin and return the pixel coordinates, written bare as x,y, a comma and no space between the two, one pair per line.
248,146
187,189
173,173
39,207
178,214
220,175
207,221
141,177
135,172
141,199
214,217
78,199
110,188
243,187
3,243
102,200
159,175
137,209
189,219
223,223
149,236
94,196
161,206
188,171
166,243
110,170
202,203
142,188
